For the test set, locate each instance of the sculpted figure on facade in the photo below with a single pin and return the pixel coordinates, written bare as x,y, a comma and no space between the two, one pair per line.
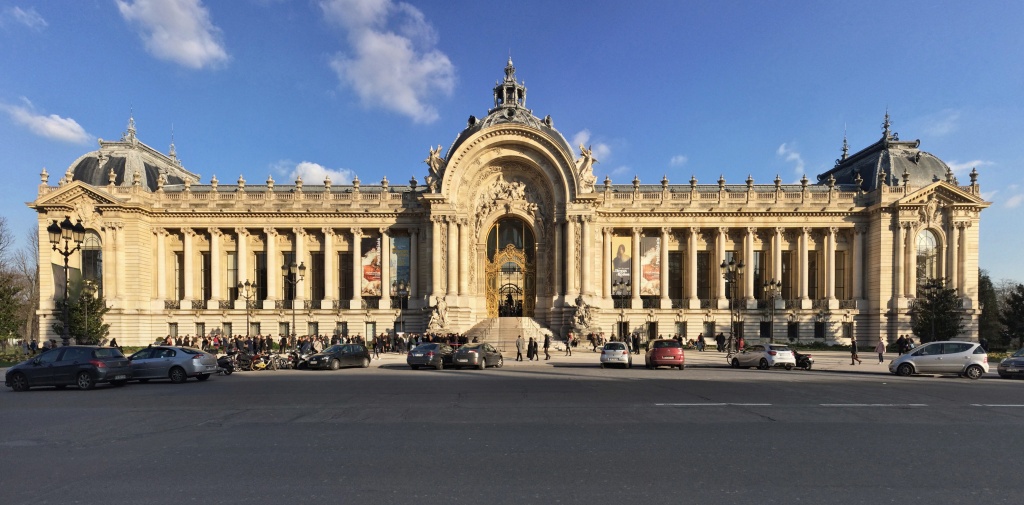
436,164
585,170
583,317
439,316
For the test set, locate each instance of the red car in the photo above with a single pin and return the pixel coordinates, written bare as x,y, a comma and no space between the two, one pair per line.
665,352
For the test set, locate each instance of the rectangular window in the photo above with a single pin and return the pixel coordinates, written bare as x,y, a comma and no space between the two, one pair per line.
225,329
92,267
681,331
315,277
172,329
819,330
847,330
675,275
205,275
787,275
254,328
709,331
345,291
759,271
282,329
260,274
341,328
371,330
288,284
704,275
793,331
766,330
841,275
232,265
732,282
812,276
200,329
312,329
179,276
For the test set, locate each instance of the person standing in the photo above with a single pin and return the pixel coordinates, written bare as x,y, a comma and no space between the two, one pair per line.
568,345
636,343
519,347
853,351
901,345
547,347
720,341
880,349
531,349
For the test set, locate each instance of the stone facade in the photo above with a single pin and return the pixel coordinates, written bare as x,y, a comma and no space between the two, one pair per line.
169,252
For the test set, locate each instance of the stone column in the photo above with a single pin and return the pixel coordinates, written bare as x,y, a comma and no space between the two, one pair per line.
188,250
122,259
719,259
570,258
830,263
858,261
435,256
587,262
606,264
748,261
691,271
273,266
910,260
385,268
216,291
952,265
300,258
777,255
666,303
559,256
453,257
357,269
242,255
414,263
897,261
962,258
161,264
109,279
329,273
464,258
804,277
635,267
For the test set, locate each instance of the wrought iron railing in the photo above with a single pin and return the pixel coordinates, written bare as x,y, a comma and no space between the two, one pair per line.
172,304
621,302
226,304
707,303
371,303
847,304
198,304
311,304
651,302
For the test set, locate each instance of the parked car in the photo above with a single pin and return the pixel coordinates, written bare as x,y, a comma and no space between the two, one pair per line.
479,356
83,366
962,358
175,363
764,357
1012,366
665,352
341,355
431,354
616,353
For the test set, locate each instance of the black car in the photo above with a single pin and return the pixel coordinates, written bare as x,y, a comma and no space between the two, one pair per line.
431,354
77,365
341,355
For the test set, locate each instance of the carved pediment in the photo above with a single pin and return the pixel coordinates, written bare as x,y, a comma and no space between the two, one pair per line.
943,193
75,192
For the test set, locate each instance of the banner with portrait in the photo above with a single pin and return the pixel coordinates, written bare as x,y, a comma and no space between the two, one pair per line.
650,266
399,263
370,263
622,265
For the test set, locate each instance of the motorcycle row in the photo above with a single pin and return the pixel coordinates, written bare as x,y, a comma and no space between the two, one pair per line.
240,360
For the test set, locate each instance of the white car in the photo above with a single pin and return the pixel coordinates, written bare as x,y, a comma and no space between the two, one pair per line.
968,359
616,353
764,357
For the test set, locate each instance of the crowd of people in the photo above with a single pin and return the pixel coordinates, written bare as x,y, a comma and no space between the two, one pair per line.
260,344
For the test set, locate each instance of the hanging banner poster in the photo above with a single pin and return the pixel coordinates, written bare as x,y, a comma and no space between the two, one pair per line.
622,265
371,266
399,265
650,266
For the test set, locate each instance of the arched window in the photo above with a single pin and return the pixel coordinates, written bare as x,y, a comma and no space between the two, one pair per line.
927,257
92,260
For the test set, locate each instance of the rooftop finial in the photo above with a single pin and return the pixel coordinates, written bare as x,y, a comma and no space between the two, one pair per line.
173,154
129,135
886,124
846,146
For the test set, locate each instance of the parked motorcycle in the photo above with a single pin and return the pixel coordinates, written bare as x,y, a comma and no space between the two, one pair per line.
804,361
225,365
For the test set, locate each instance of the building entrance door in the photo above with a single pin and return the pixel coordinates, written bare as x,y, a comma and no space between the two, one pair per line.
511,284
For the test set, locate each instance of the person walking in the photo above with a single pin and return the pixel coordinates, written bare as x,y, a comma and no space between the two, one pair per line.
853,351
720,341
520,343
901,345
568,344
700,343
636,343
531,350
547,347
880,349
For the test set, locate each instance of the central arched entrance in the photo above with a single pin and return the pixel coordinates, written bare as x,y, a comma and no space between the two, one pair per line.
511,269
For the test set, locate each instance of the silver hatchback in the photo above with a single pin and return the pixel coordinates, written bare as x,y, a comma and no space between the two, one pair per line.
175,363
968,359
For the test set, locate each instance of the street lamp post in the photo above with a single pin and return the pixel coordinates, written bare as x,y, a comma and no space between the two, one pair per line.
774,290
67,232
293,275
88,291
402,290
248,292
731,272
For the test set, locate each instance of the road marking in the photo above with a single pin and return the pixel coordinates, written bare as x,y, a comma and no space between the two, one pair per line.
994,405
712,404
874,405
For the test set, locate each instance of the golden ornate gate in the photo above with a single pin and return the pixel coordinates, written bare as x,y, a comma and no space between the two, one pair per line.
511,285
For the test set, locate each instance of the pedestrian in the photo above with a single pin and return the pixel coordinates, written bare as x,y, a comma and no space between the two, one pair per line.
700,342
853,351
531,349
740,343
880,349
519,347
901,345
636,343
568,344
547,346
720,341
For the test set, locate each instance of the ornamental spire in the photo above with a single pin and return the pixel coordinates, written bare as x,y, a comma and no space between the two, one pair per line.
509,93
129,135
846,146
886,124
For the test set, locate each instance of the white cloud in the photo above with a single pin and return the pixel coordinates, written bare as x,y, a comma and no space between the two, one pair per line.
50,126
29,18
989,195
601,150
941,123
678,160
1014,201
392,61
790,155
176,30
311,173
621,170
965,167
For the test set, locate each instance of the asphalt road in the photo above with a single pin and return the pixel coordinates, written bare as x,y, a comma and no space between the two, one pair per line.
558,432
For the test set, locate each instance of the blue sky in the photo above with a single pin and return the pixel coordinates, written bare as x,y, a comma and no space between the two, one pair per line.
278,87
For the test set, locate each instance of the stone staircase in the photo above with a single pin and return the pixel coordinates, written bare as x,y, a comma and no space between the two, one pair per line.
503,331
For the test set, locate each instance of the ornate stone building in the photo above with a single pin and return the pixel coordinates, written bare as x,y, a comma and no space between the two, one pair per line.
510,232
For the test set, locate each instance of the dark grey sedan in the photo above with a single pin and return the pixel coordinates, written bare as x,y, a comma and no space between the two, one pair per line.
83,366
432,354
175,363
478,356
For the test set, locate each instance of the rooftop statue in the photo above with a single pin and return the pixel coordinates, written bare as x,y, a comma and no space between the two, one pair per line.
585,169
436,164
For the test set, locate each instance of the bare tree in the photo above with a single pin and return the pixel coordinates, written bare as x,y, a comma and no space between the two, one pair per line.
26,264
